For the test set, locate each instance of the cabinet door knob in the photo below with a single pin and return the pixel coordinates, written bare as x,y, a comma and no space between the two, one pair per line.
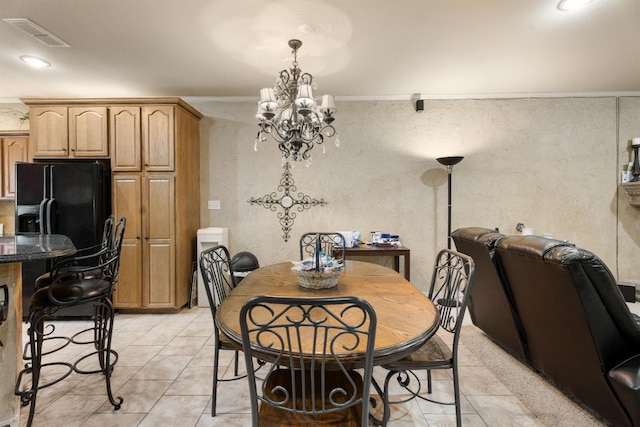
146,238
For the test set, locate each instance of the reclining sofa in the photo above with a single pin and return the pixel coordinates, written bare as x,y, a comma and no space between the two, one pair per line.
559,310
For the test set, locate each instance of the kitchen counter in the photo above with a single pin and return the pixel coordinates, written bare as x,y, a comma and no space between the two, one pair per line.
13,251
31,248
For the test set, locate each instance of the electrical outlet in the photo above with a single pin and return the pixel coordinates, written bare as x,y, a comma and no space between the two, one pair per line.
214,204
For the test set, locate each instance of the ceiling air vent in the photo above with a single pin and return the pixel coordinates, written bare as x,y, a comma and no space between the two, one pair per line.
36,31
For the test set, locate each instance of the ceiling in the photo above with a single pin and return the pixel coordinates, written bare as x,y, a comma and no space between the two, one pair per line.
356,49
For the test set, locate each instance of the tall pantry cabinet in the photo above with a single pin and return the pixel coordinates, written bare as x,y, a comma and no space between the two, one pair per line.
154,161
153,146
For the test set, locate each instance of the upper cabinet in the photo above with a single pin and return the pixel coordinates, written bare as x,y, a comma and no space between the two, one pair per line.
88,132
158,138
14,149
142,138
124,139
60,131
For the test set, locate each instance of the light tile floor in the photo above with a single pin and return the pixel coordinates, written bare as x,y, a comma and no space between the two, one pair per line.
165,370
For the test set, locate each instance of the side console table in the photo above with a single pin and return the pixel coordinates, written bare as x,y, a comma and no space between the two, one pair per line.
395,252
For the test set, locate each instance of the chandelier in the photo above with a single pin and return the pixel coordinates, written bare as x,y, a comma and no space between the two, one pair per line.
289,113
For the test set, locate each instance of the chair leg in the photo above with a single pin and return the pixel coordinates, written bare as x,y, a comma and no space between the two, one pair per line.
387,407
235,363
36,337
429,389
456,395
102,338
105,326
214,393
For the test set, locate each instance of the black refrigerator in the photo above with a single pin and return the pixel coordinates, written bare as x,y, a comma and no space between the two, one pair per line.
72,198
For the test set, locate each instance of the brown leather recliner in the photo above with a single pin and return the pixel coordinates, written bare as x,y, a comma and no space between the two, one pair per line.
490,305
579,332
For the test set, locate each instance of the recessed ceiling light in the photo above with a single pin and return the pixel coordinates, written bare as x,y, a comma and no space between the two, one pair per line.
572,4
35,62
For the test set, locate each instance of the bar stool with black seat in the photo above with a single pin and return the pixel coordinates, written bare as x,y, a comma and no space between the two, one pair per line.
86,279
77,258
449,290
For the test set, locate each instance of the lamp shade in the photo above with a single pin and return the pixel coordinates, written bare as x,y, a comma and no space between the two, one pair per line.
328,105
268,99
305,97
449,161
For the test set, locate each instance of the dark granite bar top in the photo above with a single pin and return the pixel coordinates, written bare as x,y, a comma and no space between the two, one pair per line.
30,248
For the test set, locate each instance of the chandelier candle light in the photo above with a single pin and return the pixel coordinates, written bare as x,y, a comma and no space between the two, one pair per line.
289,113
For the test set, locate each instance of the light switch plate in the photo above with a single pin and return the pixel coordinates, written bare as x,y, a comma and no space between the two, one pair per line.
214,204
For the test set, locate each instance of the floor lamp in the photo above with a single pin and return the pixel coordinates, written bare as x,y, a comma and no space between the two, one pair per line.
449,162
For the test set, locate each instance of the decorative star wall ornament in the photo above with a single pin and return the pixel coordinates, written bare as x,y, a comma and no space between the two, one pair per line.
273,201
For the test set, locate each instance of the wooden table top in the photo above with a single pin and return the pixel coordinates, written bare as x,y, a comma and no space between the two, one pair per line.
406,317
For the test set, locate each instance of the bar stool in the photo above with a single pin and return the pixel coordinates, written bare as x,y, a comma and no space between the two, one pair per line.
85,279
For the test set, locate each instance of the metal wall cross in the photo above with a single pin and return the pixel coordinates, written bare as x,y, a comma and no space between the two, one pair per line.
286,201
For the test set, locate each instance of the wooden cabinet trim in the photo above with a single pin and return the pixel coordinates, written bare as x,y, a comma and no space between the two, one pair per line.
113,101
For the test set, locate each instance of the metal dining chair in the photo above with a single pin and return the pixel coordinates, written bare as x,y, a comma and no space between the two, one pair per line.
313,243
449,290
320,384
219,281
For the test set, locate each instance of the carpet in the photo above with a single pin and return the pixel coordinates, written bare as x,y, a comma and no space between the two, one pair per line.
551,406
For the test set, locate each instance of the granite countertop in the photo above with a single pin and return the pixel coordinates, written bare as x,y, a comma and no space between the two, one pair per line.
34,247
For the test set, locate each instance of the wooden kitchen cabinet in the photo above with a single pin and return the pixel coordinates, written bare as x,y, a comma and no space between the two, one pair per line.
142,138
69,132
158,138
153,145
49,131
124,139
154,160
159,241
147,266
127,202
14,149
88,132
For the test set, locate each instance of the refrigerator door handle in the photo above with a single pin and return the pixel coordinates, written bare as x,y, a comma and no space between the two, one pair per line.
45,194
51,195
42,215
51,212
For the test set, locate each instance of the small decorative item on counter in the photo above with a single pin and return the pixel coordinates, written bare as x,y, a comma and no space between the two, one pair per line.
635,144
351,238
376,236
384,239
628,174
356,238
321,276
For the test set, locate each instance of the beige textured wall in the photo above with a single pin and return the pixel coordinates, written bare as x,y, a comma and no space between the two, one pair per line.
628,232
11,114
551,163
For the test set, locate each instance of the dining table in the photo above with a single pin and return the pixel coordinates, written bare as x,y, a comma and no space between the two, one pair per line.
14,250
406,318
